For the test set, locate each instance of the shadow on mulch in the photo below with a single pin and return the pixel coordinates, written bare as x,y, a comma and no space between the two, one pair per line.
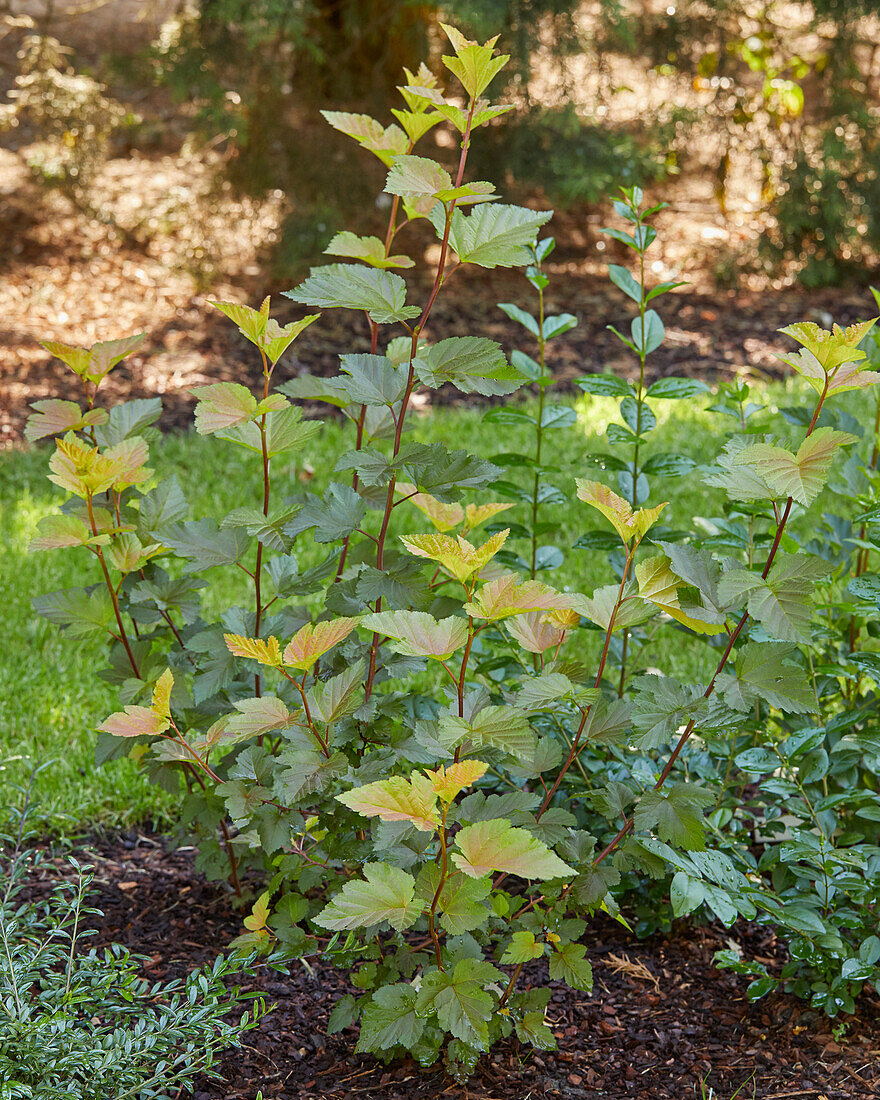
651,1035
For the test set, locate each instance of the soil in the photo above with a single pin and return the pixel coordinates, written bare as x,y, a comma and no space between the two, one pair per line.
660,1021
67,276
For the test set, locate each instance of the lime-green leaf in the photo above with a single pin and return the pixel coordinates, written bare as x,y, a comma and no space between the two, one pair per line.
418,634
473,64
523,947
397,799
385,894
370,250
489,846
801,476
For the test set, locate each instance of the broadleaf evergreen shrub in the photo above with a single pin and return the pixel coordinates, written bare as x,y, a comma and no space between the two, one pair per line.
442,765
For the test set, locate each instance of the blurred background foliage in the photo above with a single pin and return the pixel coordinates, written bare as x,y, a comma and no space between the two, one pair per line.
775,95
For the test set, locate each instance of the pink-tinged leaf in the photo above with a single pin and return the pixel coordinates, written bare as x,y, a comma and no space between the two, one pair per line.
267,651
259,715
396,799
449,782
103,357
534,633
508,596
57,532
222,405
135,722
418,634
314,640
55,417
75,358
801,476
128,458
496,845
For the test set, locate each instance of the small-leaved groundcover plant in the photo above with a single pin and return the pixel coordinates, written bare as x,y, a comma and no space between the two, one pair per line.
442,765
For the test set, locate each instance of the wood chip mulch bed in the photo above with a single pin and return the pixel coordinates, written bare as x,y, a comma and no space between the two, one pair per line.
660,1021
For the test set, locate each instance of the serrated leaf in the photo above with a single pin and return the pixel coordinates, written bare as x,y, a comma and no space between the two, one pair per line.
373,379
389,1020
568,963
462,1006
59,532
370,250
761,673
506,596
204,545
385,893
660,705
79,611
675,813
222,405
523,947
381,294
161,700
535,633
417,180
266,651
336,698
135,722
444,473
617,511
461,901
313,640
503,728
473,64
418,634
397,799
489,846
449,782
470,363
801,476
339,514
457,556
258,716
385,142
495,235
52,417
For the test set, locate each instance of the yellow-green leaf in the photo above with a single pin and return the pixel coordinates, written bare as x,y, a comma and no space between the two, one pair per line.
496,845
396,799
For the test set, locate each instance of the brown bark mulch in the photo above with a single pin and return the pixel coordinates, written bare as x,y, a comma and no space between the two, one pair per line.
661,1024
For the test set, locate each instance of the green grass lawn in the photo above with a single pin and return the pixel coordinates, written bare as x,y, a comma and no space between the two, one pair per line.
50,696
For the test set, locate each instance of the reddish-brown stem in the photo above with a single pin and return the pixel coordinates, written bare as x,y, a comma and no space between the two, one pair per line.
505,997
728,649
410,385
573,751
114,598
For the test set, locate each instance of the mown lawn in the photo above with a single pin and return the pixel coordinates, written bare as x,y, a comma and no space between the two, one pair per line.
51,698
